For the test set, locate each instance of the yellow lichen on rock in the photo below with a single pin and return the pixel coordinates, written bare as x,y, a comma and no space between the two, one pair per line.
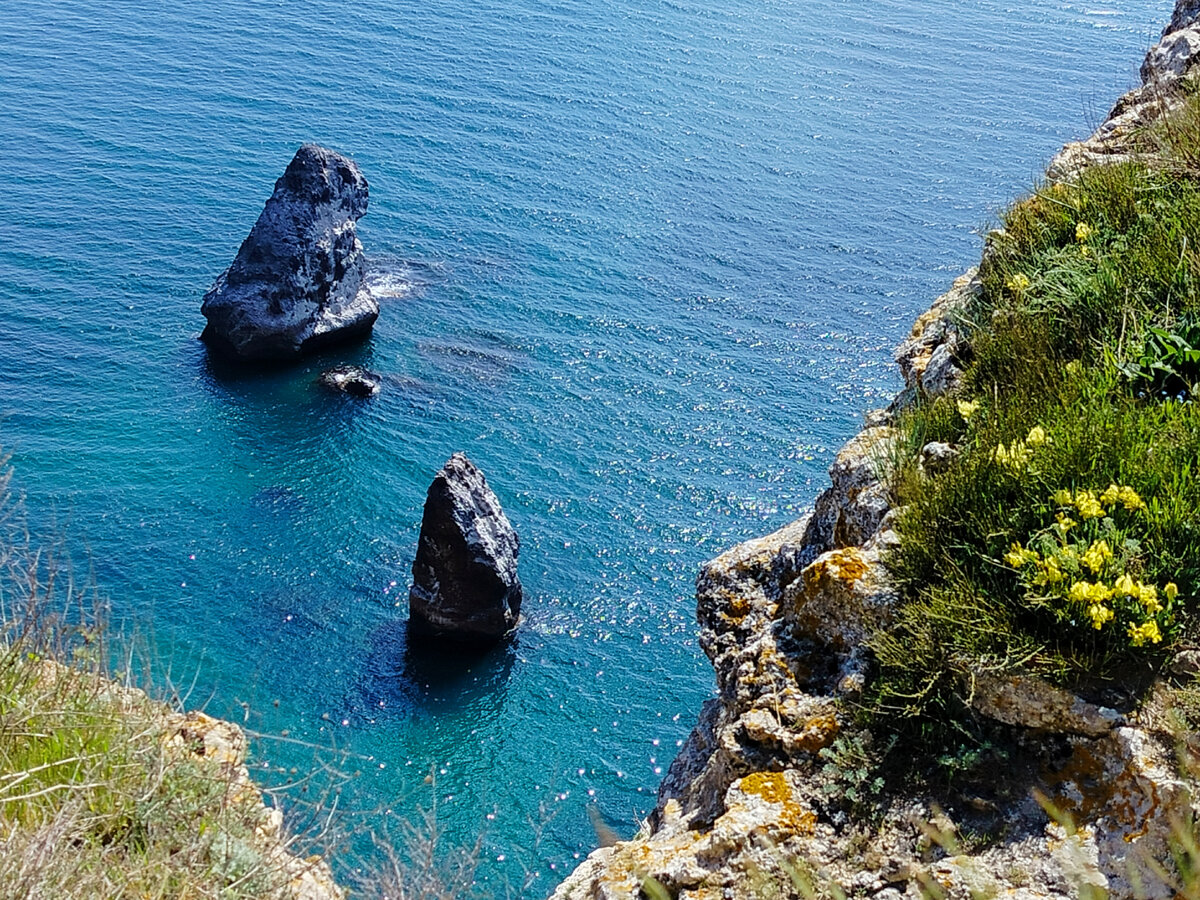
845,565
792,818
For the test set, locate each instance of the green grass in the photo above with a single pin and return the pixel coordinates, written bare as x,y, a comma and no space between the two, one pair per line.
94,804
1072,285
102,793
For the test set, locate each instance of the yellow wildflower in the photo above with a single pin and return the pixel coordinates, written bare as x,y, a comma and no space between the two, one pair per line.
1014,456
1148,597
1048,572
1019,556
1146,633
1064,522
1037,437
1125,587
1061,497
1130,499
1097,556
967,408
1087,504
1019,283
1123,494
1083,231
1085,592
1171,591
1099,614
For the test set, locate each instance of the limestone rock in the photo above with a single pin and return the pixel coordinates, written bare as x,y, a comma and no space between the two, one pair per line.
927,357
296,283
1029,702
1164,70
1186,664
841,598
218,749
465,584
353,380
1186,13
849,511
936,457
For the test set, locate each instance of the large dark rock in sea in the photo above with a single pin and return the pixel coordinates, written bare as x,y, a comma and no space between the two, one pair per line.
465,584
297,281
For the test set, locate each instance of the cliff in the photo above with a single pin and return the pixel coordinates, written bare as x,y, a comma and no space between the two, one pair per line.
778,792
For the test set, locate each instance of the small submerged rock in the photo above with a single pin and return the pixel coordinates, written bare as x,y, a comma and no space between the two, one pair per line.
353,380
465,585
297,282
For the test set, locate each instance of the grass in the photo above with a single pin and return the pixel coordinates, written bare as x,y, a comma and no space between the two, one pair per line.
104,792
1079,287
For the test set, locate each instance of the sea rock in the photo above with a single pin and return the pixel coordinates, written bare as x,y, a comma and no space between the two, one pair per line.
465,584
297,283
353,380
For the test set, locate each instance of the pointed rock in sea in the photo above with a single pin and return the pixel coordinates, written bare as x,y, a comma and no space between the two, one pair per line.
297,283
465,585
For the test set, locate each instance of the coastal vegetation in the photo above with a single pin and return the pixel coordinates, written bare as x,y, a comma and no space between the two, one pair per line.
106,792
1062,540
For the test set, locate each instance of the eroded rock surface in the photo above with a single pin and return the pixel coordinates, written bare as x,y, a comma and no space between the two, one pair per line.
296,283
465,585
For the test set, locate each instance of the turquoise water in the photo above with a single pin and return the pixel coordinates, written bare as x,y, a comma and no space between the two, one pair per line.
643,261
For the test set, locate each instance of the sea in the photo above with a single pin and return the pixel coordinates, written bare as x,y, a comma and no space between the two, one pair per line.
644,261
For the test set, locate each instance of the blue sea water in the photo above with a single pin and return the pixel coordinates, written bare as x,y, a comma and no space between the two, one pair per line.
644,261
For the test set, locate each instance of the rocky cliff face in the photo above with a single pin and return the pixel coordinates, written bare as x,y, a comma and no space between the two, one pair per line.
761,800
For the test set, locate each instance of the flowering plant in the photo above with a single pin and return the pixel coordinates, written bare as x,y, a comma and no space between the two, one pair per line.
1084,567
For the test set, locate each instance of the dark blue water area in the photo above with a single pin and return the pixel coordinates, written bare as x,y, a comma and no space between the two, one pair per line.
643,261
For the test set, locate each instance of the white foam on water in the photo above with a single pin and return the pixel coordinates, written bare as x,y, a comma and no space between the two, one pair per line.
389,284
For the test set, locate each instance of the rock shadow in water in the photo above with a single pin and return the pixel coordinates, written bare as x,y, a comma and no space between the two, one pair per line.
405,671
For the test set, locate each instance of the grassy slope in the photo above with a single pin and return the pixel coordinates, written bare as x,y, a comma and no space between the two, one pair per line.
1007,562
